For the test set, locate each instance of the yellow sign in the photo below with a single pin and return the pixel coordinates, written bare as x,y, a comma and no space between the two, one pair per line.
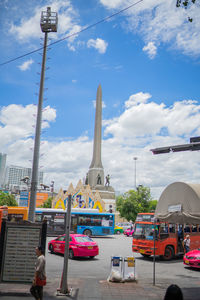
131,261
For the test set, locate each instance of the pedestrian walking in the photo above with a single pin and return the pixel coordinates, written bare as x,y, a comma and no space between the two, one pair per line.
187,243
173,292
40,275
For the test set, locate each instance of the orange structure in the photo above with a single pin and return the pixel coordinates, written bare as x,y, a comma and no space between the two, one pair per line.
13,213
168,237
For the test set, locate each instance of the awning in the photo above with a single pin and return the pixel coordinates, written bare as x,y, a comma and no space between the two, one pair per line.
179,203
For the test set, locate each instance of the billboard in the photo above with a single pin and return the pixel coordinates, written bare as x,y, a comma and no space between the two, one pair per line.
25,197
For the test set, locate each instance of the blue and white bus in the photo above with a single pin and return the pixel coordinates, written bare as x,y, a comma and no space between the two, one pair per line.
84,221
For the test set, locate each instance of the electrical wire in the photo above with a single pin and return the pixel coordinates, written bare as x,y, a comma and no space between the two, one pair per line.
73,34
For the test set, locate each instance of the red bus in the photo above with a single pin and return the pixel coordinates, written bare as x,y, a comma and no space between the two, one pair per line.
168,237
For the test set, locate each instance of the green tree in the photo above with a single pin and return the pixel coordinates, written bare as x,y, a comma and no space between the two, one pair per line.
7,199
152,205
47,203
132,202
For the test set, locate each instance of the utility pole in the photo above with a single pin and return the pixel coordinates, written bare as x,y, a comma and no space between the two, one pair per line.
135,159
64,290
48,23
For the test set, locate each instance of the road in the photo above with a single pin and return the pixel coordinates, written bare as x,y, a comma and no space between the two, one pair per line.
120,245
87,277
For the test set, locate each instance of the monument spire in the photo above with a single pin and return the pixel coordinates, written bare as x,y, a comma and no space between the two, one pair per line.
96,172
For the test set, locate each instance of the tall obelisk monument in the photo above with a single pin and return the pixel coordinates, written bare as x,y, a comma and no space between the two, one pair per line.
96,171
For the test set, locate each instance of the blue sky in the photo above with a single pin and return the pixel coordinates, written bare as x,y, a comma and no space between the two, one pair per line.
147,62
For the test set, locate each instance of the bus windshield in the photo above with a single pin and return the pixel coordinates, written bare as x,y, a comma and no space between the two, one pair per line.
144,231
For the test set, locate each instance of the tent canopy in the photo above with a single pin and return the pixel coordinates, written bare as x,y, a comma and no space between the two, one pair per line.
179,203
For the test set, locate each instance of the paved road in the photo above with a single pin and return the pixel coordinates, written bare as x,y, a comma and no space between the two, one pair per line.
88,277
99,268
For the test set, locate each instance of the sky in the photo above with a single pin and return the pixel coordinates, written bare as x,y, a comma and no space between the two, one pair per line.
147,60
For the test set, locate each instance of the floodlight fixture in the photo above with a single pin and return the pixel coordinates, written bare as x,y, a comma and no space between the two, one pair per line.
49,21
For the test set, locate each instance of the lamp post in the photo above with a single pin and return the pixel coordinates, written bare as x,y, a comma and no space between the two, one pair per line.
135,159
52,188
48,23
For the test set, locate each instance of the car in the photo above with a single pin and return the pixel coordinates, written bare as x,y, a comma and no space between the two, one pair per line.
192,258
118,230
129,232
80,245
125,225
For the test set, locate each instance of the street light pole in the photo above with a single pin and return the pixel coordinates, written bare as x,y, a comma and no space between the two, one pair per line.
135,159
48,23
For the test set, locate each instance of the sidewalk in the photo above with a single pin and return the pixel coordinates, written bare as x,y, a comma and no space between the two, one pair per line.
91,289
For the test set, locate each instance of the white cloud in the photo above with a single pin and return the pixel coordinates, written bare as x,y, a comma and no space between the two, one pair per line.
99,44
142,125
18,122
112,3
159,21
151,49
29,27
26,65
137,98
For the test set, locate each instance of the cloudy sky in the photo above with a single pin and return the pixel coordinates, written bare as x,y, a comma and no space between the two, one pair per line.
147,60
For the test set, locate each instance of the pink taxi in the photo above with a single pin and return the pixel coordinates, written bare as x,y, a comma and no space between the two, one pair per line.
129,232
79,245
192,258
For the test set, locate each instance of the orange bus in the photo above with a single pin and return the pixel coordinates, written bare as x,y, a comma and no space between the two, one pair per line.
14,213
168,237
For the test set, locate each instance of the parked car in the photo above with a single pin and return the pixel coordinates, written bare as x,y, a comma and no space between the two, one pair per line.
125,225
80,245
129,232
192,258
118,230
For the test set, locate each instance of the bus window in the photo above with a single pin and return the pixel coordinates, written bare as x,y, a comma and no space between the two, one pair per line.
46,217
194,228
38,218
180,232
96,221
172,228
145,231
15,217
105,221
163,228
187,228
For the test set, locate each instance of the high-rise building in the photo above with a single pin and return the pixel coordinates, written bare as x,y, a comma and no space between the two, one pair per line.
2,168
15,174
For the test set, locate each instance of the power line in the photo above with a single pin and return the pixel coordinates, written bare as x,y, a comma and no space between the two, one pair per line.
73,34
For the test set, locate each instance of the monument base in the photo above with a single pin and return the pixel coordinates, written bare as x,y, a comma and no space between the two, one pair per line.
107,194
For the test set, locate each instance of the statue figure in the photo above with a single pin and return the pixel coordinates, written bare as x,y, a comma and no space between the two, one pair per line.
98,179
107,180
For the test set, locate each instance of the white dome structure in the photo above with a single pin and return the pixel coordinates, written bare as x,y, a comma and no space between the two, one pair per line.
179,203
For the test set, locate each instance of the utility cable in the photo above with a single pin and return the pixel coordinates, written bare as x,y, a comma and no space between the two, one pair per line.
73,34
